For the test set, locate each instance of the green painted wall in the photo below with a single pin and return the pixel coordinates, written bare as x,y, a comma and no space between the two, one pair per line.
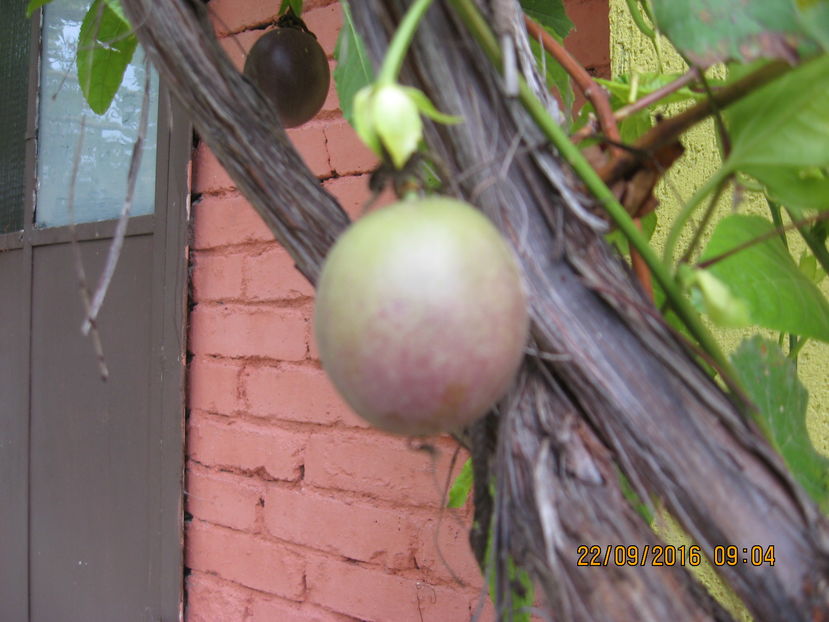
631,51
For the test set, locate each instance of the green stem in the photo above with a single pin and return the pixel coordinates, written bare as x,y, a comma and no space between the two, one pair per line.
777,219
400,42
646,5
636,14
706,218
798,346
686,213
814,243
479,28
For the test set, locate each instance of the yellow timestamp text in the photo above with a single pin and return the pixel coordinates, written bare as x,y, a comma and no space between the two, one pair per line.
670,555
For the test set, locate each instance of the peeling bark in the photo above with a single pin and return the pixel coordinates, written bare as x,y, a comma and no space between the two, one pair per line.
622,390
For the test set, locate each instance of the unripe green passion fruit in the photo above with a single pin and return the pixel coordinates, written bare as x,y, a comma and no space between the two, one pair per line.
290,68
421,316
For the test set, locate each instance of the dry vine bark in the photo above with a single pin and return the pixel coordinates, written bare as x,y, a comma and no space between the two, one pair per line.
620,390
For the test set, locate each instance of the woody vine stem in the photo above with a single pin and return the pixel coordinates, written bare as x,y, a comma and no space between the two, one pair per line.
477,25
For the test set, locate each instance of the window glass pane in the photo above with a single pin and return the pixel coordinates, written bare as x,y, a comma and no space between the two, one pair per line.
107,144
14,70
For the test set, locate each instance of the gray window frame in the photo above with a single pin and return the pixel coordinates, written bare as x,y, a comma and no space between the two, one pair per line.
168,225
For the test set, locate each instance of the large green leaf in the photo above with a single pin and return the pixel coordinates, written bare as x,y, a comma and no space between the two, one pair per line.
797,188
709,31
813,16
780,136
771,381
105,48
764,275
550,14
34,5
354,69
118,9
785,123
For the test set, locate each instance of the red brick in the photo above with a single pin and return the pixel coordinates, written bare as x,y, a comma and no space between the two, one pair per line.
210,599
273,610
450,556
374,596
353,193
272,275
379,466
208,174
217,277
233,444
309,141
332,100
346,152
248,331
245,558
226,220
292,393
313,348
213,386
353,530
589,41
222,498
235,15
325,23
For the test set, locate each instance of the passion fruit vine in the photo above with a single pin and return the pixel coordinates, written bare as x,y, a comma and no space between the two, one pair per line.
421,316
290,68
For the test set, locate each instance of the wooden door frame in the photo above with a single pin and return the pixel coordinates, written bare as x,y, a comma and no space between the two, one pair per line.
169,227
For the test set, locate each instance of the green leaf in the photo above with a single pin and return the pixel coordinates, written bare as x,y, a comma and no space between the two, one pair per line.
550,14
635,126
627,90
116,7
709,31
809,267
461,487
354,69
785,123
780,136
294,5
798,189
770,380
34,5
105,48
764,275
813,16
556,76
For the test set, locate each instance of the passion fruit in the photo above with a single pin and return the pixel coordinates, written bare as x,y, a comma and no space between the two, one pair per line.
421,316
290,68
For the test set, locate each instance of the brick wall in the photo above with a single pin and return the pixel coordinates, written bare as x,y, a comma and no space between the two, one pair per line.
296,510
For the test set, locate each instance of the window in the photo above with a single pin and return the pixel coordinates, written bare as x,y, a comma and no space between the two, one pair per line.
15,32
101,183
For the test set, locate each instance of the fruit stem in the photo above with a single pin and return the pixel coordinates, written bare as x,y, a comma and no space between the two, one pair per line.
400,43
476,24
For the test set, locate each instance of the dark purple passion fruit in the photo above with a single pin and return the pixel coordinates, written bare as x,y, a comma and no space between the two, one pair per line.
290,68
